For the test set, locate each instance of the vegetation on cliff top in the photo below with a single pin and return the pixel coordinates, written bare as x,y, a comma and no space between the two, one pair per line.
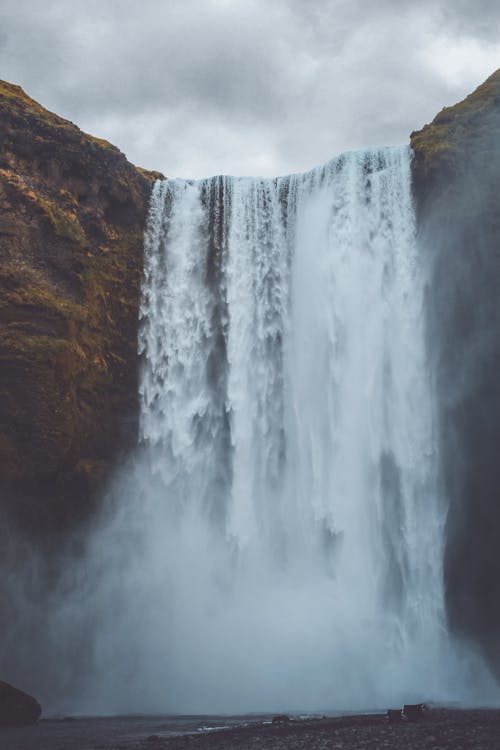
442,145
16,103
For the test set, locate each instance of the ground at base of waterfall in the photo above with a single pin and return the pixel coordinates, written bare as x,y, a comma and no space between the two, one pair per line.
439,729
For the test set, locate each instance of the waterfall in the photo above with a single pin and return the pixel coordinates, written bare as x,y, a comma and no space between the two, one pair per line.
288,539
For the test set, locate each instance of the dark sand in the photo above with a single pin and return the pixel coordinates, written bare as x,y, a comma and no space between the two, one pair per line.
441,729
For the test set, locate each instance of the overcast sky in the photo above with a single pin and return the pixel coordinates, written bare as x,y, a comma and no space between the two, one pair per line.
198,87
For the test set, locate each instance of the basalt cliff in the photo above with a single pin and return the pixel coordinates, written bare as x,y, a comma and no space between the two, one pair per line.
72,214
456,178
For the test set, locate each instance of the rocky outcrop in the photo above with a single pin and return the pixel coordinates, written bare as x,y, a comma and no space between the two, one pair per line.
17,707
72,215
456,173
447,151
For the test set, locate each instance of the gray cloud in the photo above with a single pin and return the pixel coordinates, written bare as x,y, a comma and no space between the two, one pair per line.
195,87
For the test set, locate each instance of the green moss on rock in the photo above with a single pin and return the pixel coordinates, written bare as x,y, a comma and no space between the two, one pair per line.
72,215
151,174
442,145
65,224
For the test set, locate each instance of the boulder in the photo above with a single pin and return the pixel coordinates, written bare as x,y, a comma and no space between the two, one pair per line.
414,711
17,707
394,715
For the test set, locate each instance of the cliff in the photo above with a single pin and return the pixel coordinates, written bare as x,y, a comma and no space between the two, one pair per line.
456,177
72,215
446,150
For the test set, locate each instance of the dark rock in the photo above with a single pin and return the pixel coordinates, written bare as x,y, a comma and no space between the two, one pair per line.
394,715
16,707
72,217
281,719
456,178
413,711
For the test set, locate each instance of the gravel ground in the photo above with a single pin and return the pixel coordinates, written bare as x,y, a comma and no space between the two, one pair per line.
440,730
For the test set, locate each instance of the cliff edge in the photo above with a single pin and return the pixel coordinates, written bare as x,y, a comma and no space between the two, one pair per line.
446,149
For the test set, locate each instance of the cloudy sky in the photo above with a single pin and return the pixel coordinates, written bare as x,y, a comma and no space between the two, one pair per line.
198,87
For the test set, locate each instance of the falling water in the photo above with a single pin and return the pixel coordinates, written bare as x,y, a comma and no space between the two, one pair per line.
289,553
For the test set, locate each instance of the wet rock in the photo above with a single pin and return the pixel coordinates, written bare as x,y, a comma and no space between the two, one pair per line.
16,707
394,715
413,711
456,182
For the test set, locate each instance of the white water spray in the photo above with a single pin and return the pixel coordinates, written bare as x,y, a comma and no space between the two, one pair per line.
288,546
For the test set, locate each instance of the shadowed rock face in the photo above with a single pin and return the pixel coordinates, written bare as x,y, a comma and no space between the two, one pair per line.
457,185
72,214
16,707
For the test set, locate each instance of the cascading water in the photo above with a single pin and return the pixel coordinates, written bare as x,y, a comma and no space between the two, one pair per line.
287,551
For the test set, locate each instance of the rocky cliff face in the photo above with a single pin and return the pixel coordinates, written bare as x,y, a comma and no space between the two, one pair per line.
72,215
457,185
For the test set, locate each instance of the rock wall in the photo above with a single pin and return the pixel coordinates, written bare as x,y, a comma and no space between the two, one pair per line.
456,173
72,215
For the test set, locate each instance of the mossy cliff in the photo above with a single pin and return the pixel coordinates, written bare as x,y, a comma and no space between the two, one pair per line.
447,149
72,215
456,177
